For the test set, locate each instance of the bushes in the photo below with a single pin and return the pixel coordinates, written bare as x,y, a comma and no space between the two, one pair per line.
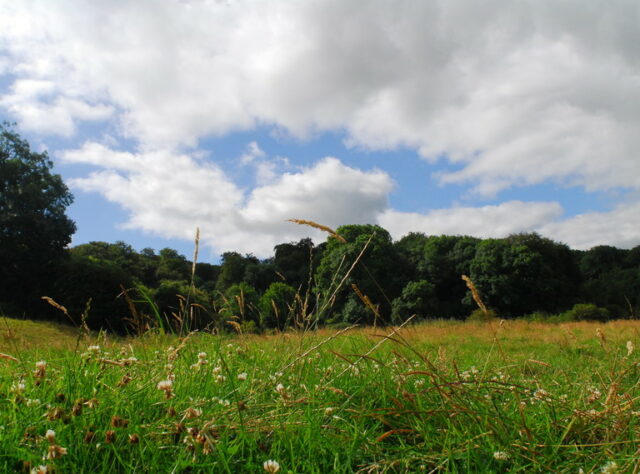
479,315
587,312
579,312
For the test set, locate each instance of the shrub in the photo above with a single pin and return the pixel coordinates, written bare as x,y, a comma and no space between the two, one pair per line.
587,312
480,316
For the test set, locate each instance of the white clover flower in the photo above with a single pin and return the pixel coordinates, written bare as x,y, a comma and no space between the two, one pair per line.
500,456
167,387
51,436
242,376
271,466
329,411
541,394
609,468
280,389
93,349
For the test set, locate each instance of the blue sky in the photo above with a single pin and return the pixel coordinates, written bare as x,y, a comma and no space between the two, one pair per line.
443,117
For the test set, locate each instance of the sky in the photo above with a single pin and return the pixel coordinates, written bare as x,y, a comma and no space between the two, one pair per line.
443,116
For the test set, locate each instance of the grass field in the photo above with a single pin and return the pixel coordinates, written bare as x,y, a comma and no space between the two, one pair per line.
436,397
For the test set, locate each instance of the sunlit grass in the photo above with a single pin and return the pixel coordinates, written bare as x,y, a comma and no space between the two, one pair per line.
457,397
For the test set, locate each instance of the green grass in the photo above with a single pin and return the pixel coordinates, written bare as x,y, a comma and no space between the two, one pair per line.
443,396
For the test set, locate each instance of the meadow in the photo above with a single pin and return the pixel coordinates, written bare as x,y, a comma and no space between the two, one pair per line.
440,396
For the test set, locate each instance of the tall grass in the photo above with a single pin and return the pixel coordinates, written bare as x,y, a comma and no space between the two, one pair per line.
453,397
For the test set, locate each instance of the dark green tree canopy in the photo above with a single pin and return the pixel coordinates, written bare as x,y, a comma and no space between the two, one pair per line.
34,229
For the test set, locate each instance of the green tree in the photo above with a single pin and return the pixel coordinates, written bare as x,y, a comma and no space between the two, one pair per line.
240,302
173,266
34,229
96,280
525,273
277,306
374,274
295,261
445,259
232,269
419,298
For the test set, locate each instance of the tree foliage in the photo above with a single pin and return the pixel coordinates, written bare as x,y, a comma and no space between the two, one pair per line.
34,229
364,277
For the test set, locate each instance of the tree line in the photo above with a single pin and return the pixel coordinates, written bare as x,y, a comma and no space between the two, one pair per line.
358,275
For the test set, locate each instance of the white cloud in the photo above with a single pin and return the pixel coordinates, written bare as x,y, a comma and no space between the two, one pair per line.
172,194
511,95
618,227
517,94
486,221
39,106
253,151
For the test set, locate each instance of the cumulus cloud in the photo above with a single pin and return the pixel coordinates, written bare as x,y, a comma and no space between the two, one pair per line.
514,95
509,95
485,221
618,228
172,194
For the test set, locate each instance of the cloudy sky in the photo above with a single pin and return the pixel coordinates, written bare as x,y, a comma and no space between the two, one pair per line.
444,116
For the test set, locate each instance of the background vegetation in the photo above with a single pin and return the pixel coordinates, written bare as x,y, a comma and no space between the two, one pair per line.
358,275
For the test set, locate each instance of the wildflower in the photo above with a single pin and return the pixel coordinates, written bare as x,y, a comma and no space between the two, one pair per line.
541,394
91,403
630,348
242,376
192,413
129,361
56,451
167,387
500,456
134,438
40,470
51,436
89,436
594,394
93,349
118,422
271,466
41,369
202,360
329,411
609,468
109,436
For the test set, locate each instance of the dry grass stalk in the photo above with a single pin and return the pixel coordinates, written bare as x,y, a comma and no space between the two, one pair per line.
367,302
475,294
378,344
195,256
321,227
309,351
8,357
601,338
346,275
58,306
138,321
235,326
